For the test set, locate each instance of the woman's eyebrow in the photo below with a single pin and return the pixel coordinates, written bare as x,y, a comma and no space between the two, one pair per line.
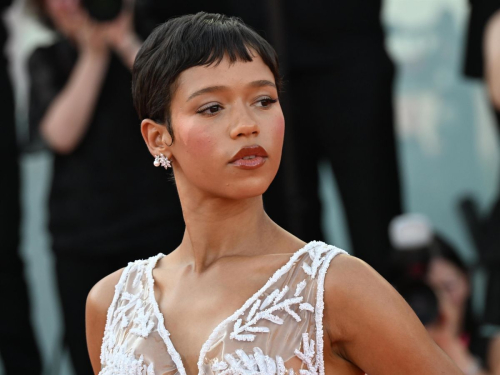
206,90
262,83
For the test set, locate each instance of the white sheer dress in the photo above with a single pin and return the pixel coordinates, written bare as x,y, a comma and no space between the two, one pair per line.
279,330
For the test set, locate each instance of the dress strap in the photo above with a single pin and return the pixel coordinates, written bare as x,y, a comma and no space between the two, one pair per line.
106,340
320,305
132,281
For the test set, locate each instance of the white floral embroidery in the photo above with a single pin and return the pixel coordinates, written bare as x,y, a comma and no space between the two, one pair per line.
121,362
317,259
300,288
251,364
215,335
114,357
135,311
143,323
245,332
307,355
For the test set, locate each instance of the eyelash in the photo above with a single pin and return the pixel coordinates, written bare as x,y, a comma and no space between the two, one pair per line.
207,107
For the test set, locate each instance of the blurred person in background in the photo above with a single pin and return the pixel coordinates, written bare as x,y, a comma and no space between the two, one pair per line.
339,86
482,61
106,206
434,316
457,331
426,257
18,347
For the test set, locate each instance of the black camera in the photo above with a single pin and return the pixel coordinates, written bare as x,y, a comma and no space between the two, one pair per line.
103,10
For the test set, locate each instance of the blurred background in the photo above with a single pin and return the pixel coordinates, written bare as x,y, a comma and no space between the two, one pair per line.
447,155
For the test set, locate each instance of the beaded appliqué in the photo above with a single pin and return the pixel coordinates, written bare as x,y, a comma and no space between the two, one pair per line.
115,358
268,310
122,362
259,363
135,311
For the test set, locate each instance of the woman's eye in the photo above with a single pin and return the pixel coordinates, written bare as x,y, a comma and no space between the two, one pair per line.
210,110
266,102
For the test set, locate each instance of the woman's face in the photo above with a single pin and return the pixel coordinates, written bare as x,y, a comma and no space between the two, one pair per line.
66,15
449,282
217,111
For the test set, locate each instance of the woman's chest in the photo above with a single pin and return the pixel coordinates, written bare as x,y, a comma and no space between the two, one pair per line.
192,311
244,323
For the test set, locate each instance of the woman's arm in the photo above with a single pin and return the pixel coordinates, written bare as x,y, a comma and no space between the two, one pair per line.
370,325
67,118
494,355
492,58
122,37
98,302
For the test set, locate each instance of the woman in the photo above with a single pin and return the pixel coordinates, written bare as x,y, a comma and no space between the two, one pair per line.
239,294
456,331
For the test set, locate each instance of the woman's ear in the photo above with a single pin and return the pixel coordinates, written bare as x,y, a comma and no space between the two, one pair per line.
157,138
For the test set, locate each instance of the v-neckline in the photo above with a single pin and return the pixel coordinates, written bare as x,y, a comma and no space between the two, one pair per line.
165,334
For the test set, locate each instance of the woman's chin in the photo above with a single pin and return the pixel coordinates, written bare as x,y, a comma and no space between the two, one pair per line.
247,191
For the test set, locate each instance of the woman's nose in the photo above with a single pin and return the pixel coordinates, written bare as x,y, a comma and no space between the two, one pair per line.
245,125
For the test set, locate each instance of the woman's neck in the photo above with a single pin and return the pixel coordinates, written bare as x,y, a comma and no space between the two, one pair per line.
217,228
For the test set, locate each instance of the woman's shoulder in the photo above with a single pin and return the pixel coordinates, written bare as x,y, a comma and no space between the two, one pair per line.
355,296
102,294
351,277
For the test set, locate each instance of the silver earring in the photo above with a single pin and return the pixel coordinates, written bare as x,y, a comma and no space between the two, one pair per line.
163,161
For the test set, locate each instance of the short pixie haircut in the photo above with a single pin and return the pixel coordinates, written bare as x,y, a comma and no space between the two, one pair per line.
185,42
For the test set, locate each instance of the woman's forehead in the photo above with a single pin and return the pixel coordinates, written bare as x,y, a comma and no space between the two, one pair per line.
226,73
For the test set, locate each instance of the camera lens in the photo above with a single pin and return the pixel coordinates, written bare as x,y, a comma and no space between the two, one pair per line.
103,10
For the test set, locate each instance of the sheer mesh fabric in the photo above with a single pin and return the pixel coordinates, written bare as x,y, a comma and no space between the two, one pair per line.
279,330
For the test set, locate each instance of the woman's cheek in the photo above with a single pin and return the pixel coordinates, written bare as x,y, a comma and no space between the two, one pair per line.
199,143
279,127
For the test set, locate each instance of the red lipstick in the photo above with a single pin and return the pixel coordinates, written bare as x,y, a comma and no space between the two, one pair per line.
249,157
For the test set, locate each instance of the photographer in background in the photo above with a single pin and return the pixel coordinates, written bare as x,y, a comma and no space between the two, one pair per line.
424,301
425,257
107,202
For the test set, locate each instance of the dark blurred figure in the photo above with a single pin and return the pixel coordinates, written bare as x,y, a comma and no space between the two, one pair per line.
434,315
339,83
426,257
108,205
450,279
482,61
18,347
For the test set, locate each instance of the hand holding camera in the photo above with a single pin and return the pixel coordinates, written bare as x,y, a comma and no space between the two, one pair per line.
96,26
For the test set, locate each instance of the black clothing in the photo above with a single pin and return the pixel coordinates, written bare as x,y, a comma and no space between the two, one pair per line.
344,115
320,33
108,204
106,196
18,347
338,91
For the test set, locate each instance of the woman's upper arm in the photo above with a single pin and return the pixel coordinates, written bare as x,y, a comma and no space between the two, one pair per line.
492,58
98,302
372,326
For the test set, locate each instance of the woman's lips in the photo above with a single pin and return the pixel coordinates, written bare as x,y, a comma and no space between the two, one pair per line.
249,157
254,163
